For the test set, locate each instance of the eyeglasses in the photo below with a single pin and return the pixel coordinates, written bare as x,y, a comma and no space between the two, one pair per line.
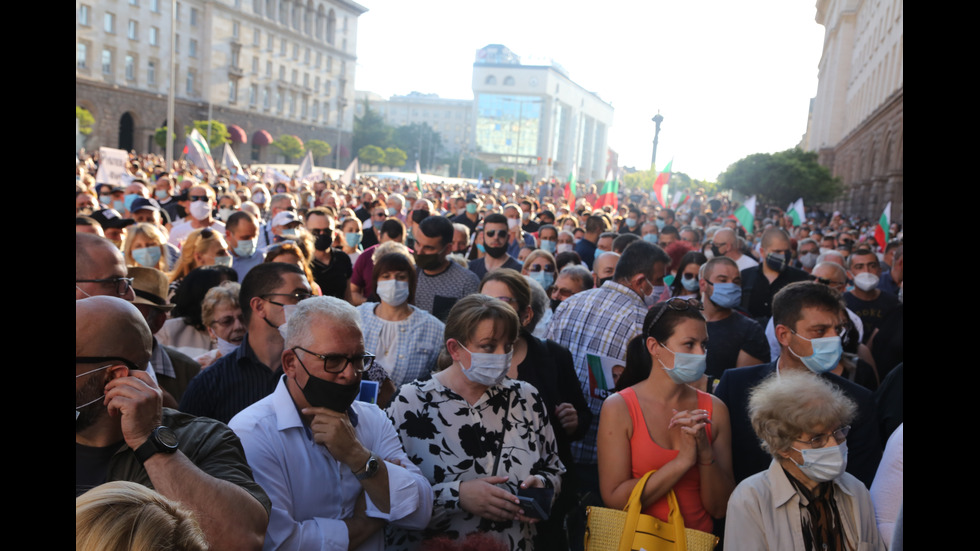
321,231
538,267
337,363
690,276
193,198
114,360
299,296
123,284
828,282
678,305
381,215
228,321
820,440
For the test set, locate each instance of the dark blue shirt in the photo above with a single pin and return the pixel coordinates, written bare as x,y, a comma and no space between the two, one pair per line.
230,385
586,250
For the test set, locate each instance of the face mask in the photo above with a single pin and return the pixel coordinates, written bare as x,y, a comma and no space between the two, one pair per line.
353,239
258,198
471,208
225,261
289,233
776,261
543,277
715,250
321,393
630,223
549,245
89,418
726,295
650,238
569,228
148,257
654,296
481,247
224,213
323,241
128,200
393,292
577,240
226,347
554,304
429,261
660,224
392,211
823,464
496,252
119,205
689,285
200,209
688,368
246,247
105,199
866,281
826,353
487,369
564,248
808,260
513,223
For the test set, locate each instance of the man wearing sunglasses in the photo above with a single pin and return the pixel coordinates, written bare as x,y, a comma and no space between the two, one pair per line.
335,469
251,372
123,433
200,209
496,236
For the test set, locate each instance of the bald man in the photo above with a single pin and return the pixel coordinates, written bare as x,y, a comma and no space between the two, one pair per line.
603,268
100,268
123,433
725,243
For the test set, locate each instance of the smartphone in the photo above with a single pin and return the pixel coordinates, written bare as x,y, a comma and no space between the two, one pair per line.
536,502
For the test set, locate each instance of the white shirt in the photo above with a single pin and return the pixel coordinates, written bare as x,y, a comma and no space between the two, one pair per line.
745,261
180,231
312,492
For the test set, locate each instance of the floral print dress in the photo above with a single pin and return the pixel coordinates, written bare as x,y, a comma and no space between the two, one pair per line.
452,442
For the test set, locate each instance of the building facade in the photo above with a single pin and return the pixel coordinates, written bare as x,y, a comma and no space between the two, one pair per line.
535,118
451,118
856,121
263,67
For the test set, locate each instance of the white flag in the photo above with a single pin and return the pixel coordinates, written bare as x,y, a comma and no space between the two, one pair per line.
199,153
306,167
350,175
229,160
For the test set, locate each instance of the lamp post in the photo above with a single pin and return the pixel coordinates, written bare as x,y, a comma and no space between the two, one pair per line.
657,119
341,103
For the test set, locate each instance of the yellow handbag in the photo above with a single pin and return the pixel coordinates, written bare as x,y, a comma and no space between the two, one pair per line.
629,530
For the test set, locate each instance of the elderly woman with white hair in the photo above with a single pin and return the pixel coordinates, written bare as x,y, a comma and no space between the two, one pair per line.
805,500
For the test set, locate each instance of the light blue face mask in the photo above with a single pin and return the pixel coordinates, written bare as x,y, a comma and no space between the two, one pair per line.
630,223
690,285
148,257
687,369
660,224
246,247
481,248
120,206
128,200
353,239
549,246
726,295
546,279
650,238
826,353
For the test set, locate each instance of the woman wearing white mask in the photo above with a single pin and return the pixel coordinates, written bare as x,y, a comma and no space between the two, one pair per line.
454,426
223,318
404,339
804,500
658,422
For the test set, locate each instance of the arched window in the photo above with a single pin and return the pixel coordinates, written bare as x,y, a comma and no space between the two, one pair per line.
508,81
297,15
284,12
308,18
320,19
491,80
331,27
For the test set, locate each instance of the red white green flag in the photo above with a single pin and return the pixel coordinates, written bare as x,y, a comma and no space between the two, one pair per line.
570,190
418,178
885,222
680,199
745,214
797,212
609,194
660,183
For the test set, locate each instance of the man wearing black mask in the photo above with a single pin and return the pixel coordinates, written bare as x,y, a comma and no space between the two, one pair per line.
761,283
495,239
331,267
441,282
311,429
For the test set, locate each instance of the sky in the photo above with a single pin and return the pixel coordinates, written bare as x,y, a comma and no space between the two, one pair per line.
729,78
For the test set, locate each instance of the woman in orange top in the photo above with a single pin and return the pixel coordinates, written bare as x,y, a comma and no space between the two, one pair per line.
659,422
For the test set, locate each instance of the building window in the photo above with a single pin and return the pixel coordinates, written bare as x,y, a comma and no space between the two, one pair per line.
193,16
306,56
508,81
84,13
130,67
232,91
255,65
491,80
106,62
265,98
295,52
109,23
268,69
278,101
178,10
132,31
81,56
282,47
253,91
270,43
256,37
319,59
236,28
192,48
343,45
302,108
177,42
190,83
292,104
155,6
282,72
315,111
151,72
295,76
154,36
329,64
234,57
306,80
316,85
326,88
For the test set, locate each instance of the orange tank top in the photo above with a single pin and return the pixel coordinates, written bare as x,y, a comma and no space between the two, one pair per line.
646,456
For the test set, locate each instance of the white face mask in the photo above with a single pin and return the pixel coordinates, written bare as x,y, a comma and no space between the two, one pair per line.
564,248
513,222
393,292
487,369
225,261
823,464
225,347
866,281
200,209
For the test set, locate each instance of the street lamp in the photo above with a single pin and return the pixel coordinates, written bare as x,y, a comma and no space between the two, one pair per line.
657,119
341,103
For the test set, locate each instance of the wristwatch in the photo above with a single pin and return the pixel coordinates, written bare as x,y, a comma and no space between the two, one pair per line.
161,440
370,468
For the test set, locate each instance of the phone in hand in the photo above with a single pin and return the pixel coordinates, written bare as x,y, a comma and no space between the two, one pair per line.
536,502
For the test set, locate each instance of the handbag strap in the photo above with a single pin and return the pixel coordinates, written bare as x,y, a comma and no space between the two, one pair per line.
503,433
634,506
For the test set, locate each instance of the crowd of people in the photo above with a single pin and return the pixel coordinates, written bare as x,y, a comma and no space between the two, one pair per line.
288,363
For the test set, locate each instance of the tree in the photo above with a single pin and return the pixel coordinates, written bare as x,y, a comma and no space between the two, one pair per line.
472,167
291,147
418,141
160,137
319,148
503,174
85,120
780,178
395,157
371,155
219,132
370,129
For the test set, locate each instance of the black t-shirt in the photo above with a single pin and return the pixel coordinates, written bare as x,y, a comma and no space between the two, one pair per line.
872,312
91,466
726,338
334,277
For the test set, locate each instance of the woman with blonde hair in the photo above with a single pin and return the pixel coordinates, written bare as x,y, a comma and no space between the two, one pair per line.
203,247
145,246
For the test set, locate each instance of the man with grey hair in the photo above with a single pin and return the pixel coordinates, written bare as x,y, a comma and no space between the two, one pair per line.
573,279
725,243
312,429
280,202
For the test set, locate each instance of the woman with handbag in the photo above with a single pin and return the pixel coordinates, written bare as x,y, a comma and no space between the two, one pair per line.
479,437
658,422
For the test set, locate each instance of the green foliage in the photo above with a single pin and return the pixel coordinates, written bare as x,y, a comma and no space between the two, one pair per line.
85,120
409,139
472,167
641,179
503,174
319,148
219,133
395,157
370,129
290,146
780,178
160,137
371,155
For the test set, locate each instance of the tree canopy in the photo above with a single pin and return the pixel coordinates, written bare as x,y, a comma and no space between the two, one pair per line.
371,155
291,147
408,138
370,129
219,132
395,157
160,137
319,148
85,120
503,174
780,178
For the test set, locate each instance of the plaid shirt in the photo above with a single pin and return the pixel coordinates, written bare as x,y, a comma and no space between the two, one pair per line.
599,321
420,339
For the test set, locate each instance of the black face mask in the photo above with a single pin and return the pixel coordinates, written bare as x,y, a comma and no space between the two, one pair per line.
419,215
554,304
428,261
323,241
321,393
604,280
776,261
715,250
495,252
367,206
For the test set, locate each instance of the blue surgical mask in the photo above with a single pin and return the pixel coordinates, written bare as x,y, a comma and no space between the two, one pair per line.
687,369
148,257
546,279
246,247
480,247
689,285
630,223
128,200
353,239
549,245
650,238
119,205
487,369
471,208
826,353
392,211
393,292
161,194
726,295
225,261
660,224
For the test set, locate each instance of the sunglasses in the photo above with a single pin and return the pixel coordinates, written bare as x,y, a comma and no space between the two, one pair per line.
494,233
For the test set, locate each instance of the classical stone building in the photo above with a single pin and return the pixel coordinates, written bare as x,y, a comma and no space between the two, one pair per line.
262,67
856,119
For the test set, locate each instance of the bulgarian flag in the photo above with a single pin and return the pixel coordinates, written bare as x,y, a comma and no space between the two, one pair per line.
610,193
796,212
680,198
661,182
570,190
197,151
745,214
885,222
418,178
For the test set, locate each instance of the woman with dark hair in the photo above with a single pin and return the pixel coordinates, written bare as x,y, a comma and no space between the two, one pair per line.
685,284
658,422
404,339
291,252
185,330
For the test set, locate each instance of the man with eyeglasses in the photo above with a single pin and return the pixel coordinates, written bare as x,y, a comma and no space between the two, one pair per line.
334,468
122,432
496,236
100,269
200,215
251,372
807,318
